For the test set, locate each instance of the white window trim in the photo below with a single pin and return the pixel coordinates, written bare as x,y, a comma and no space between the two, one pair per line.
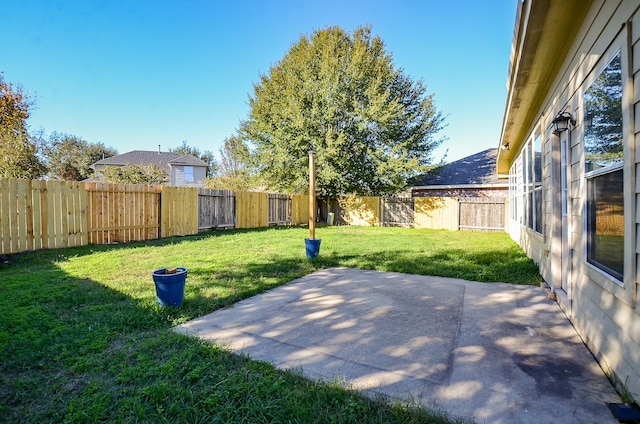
602,277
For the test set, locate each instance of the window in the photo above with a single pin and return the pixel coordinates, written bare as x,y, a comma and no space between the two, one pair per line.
532,173
188,173
537,184
513,189
516,190
605,222
603,157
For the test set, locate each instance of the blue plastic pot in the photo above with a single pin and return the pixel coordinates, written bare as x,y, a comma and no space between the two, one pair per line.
170,287
313,247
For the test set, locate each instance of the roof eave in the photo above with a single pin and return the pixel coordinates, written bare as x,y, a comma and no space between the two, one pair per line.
544,32
460,186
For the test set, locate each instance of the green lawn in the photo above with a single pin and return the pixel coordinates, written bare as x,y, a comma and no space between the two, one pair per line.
82,338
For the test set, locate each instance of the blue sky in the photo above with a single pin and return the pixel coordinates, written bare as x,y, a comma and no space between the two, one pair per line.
138,74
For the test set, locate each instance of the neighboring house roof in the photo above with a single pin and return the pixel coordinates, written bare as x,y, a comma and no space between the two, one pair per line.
478,169
144,157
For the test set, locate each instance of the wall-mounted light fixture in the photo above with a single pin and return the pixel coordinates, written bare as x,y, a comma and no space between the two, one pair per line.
588,120
562,121
505,146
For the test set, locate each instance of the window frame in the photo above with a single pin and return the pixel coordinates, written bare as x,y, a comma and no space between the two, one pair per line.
185,173
590,176
532,189
590,220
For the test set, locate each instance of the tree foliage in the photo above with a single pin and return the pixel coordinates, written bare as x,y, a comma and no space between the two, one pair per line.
18,150
341,95
206,156
234,170
136,174
69,157
603,105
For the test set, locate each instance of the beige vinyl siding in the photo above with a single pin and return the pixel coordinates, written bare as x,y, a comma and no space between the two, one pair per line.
635,60
601,309
546,264
604,311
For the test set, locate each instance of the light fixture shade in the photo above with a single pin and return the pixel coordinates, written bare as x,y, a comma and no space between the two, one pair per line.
588,120
562,121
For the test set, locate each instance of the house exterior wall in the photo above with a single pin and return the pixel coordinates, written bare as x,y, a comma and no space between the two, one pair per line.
178,176
603,309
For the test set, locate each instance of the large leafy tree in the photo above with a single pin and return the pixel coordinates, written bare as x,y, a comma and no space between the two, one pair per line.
206,156
19,151
371,126
69,157
234,170
136,174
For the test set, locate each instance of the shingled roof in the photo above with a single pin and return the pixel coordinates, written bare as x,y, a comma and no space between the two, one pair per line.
477,169
145,157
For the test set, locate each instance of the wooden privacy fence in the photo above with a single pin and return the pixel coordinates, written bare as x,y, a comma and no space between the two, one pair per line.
448,213
279,209
119,213
179,211
41,215
440,213
53,214
257,209
397,211
481,214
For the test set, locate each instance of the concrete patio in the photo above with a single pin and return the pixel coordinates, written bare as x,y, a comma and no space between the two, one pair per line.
499,353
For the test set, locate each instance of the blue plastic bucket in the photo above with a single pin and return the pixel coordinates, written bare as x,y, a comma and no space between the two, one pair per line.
313,247
170,287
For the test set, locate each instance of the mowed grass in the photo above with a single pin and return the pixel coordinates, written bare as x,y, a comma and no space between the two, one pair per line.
83,339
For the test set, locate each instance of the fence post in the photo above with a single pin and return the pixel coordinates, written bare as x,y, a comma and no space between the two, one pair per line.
312,195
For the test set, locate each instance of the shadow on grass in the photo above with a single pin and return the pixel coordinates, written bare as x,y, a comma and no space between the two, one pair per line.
47,255
106,356
75,350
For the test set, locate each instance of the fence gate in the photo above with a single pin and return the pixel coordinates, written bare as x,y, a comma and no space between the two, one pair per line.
482,214
397,212
279,209
216,209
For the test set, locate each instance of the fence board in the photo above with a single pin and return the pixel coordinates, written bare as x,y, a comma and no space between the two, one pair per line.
14,235
21,215
62,235
252,209
41,216
30,213
53,205
4,223
79,232
34,228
